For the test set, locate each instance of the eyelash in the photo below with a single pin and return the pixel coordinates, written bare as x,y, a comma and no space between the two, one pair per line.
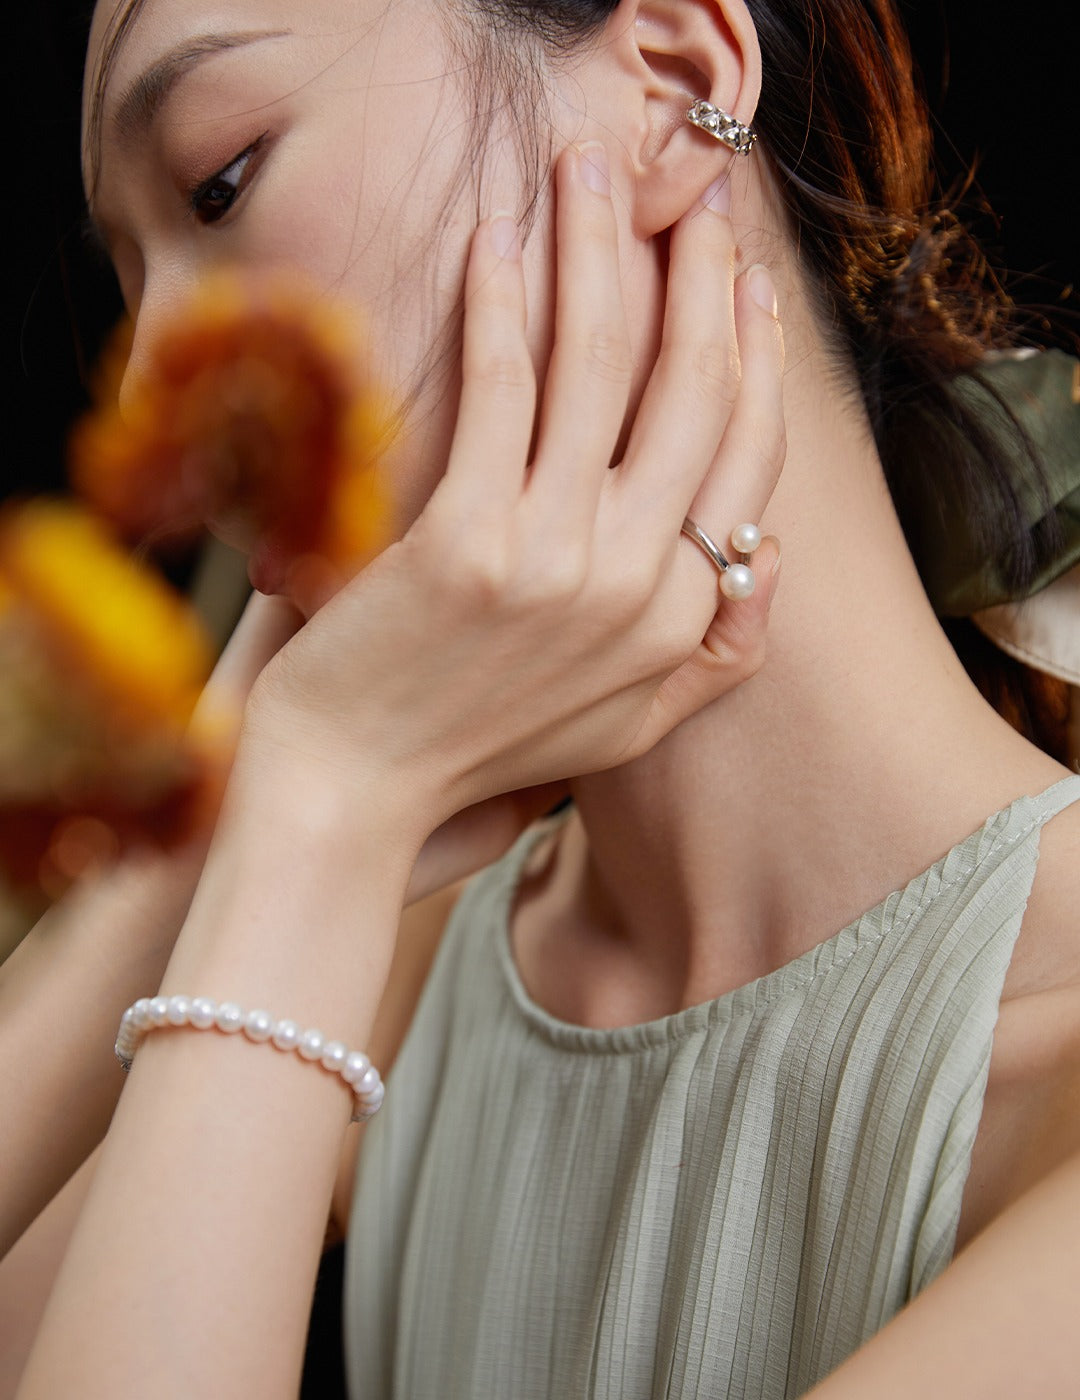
198,199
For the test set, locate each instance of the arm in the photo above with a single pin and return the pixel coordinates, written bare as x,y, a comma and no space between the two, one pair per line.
28,1272
999,1323
29,1269
63,988
62,991
1001,1320
565,629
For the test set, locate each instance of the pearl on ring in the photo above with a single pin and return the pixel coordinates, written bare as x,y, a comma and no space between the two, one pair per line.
745,539
737,582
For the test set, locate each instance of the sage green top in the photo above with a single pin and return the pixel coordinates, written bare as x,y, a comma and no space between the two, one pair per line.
722,1203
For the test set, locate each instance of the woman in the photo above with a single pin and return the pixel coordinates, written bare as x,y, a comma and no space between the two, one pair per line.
658,1128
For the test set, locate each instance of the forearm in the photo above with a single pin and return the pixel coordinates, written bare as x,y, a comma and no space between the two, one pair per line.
63,990
196,1253
61,993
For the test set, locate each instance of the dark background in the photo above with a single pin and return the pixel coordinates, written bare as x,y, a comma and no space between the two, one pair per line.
998,92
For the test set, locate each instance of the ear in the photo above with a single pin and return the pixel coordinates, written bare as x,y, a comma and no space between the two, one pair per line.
660,57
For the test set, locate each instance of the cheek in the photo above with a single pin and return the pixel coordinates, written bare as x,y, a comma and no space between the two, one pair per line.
401,249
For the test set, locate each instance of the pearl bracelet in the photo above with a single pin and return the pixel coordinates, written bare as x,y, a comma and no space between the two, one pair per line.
202,1014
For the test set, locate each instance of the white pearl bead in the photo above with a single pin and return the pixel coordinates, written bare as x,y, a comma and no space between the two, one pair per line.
286,1035
258,1025
357,1065
128,1036
179,1011
203,1011
367,1081
737,581
745,539
229,1017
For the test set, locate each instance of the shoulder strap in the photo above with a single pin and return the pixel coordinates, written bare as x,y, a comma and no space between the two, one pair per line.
1055,799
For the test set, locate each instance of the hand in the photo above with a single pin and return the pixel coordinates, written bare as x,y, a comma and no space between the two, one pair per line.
544,619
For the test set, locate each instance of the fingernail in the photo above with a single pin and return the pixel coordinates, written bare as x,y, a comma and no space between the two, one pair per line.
505,237
593,165
776,562
760,283
718,196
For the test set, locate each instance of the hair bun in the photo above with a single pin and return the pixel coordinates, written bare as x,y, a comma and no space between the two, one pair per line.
929,279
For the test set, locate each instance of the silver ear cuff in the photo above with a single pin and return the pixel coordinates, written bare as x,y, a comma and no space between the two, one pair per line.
723,126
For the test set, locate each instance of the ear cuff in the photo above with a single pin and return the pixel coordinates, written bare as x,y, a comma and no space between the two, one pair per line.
722,126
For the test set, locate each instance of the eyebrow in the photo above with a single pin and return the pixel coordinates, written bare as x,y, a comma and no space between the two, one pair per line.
141,102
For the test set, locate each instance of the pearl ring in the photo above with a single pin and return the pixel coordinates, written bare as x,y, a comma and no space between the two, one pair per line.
736,579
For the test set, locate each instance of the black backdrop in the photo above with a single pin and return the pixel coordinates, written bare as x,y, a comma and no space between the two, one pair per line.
999,91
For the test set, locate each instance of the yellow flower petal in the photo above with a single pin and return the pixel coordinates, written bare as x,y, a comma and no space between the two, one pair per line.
119,629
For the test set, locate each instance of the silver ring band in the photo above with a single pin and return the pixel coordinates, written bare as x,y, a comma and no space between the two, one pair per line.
704,541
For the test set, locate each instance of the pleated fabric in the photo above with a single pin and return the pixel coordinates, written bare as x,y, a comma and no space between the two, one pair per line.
725,1202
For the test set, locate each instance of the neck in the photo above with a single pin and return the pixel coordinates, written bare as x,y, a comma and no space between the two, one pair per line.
854,759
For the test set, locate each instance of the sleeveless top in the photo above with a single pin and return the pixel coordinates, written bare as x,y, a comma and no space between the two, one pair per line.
725,1202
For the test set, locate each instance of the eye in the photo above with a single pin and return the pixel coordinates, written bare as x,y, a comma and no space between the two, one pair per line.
212,200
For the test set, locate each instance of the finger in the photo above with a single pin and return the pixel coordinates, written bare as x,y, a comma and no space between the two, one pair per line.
730,653
265,625
311,581
477,836
747,466
695,382
588,379
491,440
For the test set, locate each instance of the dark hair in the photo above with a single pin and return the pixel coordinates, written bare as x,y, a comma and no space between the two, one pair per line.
906,292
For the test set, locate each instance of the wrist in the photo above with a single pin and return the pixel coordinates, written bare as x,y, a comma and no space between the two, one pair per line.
301,895
333,804
355,770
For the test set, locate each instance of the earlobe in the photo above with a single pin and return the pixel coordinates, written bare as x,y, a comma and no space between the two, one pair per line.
692,55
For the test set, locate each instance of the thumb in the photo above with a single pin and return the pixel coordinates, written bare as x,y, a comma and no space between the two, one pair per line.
265,625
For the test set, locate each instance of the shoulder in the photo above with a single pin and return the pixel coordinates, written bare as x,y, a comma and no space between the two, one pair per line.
1031,1115
1047,957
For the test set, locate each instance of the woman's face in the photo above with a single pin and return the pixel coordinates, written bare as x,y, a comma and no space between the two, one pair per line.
330,136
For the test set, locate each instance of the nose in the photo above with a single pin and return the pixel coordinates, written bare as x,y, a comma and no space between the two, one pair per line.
160,299
136,369
134,372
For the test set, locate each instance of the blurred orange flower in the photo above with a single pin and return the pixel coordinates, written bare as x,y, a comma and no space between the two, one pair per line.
100,667
253,411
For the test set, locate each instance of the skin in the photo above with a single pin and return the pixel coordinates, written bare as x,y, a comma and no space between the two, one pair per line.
703,851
